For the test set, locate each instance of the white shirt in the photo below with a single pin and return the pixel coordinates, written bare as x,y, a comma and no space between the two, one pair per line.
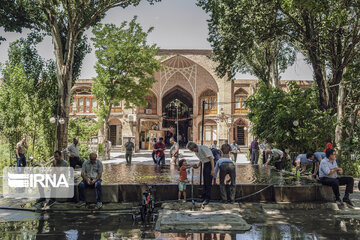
204,153
73,150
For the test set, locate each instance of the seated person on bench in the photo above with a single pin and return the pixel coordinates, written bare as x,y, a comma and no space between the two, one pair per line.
91,173
328,173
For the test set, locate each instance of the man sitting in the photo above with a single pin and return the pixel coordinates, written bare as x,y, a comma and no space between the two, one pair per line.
58,162
91,173
328,174
303,160
226,166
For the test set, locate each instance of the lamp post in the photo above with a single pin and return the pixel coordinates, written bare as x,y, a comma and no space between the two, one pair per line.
177,120
228,120
58,121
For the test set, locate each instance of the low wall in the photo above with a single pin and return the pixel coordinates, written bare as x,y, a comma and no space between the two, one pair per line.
163,192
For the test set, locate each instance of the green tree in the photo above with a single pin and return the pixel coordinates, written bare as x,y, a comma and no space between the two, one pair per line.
273,113
29,85
243,39
327,33
83,128
66,22
125,67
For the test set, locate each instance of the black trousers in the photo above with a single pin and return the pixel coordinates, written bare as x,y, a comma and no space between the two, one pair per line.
207,180
75,161
225,169
336,182
154,157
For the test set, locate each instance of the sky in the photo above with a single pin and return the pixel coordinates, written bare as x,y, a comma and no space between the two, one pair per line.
178,24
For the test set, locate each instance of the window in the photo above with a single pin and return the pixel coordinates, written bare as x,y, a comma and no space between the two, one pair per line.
240,98
210,99
83,104
210,133
93,105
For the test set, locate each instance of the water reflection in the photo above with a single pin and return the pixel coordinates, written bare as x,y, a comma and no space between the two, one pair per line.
99,227
245,174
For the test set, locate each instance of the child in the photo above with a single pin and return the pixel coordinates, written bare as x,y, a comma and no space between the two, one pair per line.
182,179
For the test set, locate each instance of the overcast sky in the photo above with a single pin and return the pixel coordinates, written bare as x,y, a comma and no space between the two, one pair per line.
179,24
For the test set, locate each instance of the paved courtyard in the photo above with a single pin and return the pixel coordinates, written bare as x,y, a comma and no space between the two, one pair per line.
144,157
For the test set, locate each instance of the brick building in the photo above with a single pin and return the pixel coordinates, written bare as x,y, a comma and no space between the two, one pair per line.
187,80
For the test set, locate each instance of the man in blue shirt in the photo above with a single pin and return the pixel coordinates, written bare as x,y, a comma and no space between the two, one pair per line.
328,174
303,160
319,156
226,166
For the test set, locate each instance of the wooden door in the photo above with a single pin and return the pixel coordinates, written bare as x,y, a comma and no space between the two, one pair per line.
240,140
112,135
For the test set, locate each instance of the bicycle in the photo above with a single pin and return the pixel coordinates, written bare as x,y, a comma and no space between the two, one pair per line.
147,206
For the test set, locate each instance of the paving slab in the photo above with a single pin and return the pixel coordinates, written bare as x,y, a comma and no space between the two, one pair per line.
198,221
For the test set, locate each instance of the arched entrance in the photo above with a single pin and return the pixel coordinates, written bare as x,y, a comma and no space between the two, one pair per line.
177,104
241,132
115,132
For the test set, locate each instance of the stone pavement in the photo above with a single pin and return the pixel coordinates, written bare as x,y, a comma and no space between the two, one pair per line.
144,157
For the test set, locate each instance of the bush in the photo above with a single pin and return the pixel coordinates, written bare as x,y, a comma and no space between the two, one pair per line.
273,112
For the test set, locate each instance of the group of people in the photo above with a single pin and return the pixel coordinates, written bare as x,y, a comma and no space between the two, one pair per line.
224,166
324,164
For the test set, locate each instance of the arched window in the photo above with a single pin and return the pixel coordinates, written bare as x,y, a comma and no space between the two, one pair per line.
240,98
209,96
151,104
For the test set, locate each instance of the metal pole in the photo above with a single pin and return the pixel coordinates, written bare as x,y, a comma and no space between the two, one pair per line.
202,135
177,121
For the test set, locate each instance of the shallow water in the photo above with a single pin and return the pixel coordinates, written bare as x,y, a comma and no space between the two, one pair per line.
245,174
285,225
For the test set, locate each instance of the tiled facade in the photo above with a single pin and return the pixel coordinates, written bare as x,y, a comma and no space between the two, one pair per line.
189,75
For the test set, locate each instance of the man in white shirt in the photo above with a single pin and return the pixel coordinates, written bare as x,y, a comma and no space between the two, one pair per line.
234,151
74,155
276,155
207,159
328,174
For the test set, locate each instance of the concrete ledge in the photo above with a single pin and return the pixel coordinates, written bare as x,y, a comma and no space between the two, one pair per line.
164,192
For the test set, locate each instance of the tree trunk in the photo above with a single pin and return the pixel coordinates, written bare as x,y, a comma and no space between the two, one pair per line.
274,78
64,76
106,134
105,139
340,114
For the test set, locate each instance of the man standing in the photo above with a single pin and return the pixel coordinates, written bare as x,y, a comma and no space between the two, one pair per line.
255,151
160,155
206,158
174,151
234,151
74,155
129,148
263,147
20,153
328,174
91,173
214,145
153,154
226,166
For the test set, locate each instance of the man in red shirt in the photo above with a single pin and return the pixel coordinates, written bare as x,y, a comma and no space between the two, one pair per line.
159,149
